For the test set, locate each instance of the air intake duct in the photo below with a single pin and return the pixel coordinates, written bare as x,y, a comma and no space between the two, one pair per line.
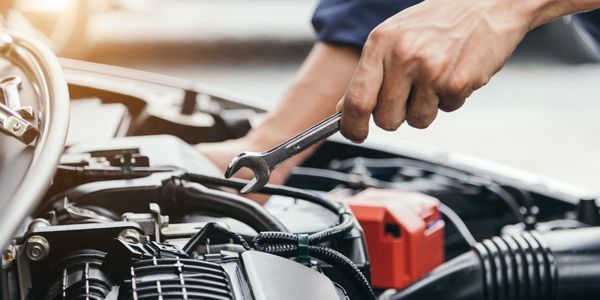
557,265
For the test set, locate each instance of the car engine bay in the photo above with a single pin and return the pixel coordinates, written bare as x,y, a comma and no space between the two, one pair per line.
123,207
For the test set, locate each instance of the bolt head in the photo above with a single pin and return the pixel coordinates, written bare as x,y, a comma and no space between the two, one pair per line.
131,235
37,248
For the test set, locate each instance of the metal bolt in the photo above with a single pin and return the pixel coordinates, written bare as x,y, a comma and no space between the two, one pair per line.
9,255
130,235
16,126
37,248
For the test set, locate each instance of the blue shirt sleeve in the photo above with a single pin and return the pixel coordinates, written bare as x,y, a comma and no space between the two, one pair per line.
349,22
591,22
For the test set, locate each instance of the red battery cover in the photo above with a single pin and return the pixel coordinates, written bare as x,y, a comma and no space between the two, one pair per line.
404,233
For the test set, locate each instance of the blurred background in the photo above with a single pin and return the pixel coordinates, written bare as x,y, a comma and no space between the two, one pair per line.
541,113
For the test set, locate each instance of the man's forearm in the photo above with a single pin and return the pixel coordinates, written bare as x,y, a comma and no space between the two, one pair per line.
318,86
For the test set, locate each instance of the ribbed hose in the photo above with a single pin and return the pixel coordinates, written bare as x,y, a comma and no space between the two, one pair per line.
517,267
557,265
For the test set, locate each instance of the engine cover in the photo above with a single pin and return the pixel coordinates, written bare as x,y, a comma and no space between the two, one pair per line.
154,270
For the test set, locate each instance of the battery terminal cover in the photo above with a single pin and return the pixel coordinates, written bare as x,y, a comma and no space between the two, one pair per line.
404,233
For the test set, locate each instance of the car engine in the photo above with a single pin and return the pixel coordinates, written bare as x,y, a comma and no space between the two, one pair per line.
122,207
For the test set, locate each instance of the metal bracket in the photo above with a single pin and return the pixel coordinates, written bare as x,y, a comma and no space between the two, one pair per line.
15,118
13,124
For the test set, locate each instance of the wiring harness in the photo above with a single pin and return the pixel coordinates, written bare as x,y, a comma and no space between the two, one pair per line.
285,244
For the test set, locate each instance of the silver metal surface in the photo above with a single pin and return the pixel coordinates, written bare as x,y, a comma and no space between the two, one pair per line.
13,124
37,248
131,235
21,192
10,90
263,163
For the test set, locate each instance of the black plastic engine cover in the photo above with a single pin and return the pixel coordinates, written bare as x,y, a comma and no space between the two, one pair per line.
160,271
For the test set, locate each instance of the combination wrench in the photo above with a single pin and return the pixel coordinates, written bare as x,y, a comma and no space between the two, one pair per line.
263,163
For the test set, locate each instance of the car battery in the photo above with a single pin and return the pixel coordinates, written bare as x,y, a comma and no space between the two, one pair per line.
404,233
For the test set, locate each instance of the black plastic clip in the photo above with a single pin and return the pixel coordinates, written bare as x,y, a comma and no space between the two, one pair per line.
303,256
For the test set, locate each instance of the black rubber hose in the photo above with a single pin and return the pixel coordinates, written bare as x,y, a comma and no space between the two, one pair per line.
267,189
559,265
346,222
212,228
198,197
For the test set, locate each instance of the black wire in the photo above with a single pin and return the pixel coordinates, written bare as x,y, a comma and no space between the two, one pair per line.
446,211
212,228
287,244
461,176
345,223
330,256
507,198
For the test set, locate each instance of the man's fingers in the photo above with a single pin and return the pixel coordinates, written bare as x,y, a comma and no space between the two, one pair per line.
390,110
422,107
451,104
361,98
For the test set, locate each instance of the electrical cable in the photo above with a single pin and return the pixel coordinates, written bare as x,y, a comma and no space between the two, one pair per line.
289,244
446,211
334,258
345,223
212,228
461,176
458,223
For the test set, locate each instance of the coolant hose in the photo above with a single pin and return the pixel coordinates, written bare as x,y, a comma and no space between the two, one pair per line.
557,265
193,196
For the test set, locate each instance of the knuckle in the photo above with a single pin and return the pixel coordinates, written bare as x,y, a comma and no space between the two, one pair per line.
451,105
456,85
358,104
401,50
377,35
353,134
431,71
418,120
387,124
483,80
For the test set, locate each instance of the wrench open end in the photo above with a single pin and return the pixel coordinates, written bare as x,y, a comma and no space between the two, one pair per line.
254,162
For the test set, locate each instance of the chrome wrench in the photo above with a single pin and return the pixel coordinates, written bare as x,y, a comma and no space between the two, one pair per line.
263,163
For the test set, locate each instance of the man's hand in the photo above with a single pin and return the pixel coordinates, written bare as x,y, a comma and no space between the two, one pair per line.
434,55
320,83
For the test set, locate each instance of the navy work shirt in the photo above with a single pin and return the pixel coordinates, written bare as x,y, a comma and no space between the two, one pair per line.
349,22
